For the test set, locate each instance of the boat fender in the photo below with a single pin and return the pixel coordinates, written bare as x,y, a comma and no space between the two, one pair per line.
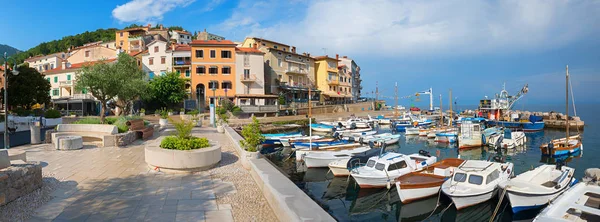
424,153
353,126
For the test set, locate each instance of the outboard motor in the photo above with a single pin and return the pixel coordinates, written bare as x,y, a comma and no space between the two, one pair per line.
424,153
499,142
498,159
336,134
559,164
340,125
353,126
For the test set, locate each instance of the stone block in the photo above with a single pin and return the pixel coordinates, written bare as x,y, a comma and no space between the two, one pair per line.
4,160
69,143
18,180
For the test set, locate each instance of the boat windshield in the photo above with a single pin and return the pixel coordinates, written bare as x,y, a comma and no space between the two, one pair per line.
460,177
380,166
370,163
475,179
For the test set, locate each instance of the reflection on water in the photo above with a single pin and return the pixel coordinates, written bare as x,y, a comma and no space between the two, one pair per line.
344,200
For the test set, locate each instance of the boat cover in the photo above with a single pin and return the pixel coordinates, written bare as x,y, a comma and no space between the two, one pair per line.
361,158
534,119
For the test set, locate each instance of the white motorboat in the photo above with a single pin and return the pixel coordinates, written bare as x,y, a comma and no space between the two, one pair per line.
320,127
476,181
357,130
507,140
382,170
425,183
304,150
287,141
580,203
322,159
386,138
412,131
424,132
537,187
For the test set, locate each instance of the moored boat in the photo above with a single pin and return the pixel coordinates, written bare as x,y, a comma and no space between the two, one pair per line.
342,167
322,159
319,127
560,147
427,182
301,152
275,138
470,135
412,130
382,170
537,187
475,181
507,140
446,137
288,141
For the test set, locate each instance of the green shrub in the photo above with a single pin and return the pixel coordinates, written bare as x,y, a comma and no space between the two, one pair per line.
236,111
194,112
163,113
182,111
252,136
22,112
183,128
52,113
88,120
119,122
177,143
142,111
38,112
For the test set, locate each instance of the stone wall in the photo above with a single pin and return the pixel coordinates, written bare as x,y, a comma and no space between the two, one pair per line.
124,139
18,180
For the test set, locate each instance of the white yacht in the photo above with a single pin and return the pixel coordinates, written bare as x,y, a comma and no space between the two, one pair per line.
382,170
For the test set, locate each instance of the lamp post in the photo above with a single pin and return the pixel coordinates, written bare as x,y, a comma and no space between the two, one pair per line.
214,104
14,72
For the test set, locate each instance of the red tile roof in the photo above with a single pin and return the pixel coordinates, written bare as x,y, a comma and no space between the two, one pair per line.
324,57
249,50
183,47
182,32
212,42
77,66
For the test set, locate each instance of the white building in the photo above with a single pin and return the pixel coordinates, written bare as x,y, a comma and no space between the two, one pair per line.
47,62
250,83
158,58
180,37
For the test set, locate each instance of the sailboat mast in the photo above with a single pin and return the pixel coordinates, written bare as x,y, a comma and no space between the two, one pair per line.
441,113
567,107
451,112
396,107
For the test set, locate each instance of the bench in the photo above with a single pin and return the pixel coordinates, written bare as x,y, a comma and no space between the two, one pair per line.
101,131
137,125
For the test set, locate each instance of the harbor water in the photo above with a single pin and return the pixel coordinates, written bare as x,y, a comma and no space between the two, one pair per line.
345,201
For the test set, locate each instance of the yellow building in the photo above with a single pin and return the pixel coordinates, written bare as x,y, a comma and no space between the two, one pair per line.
334,86
131,39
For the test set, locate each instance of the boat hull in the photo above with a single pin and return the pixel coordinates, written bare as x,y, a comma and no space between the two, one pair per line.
464,201
520,201
338,170
525,126
313,162
410,195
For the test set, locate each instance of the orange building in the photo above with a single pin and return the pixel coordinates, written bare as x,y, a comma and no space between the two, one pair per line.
213,71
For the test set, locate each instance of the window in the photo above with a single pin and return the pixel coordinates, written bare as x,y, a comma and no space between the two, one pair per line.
48,79
55,79
263,44
200,70
213,53
493,176
121,34
279,63
226,85
121,42
68,77
87,53
151,75
55,92
476,128
274,46
180,36
187,73
226,70
370,163
397,166
178,72
246,59
246,73
379,166
151,61
284,49
51,66
475,179
213,84
460,177
199,53
163,60
226,54
213,70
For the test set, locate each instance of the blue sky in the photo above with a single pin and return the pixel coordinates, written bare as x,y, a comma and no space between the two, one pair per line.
471,47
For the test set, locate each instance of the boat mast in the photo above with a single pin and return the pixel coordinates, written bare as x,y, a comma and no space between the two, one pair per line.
567,107
396,108
450,110
309,117
441,113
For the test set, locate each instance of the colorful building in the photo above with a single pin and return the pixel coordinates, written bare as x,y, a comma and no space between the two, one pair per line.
356,82
44,63
180,37
91,53
213,71
333,84
157,59
250,83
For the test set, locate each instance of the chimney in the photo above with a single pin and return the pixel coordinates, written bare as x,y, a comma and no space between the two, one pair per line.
337,56
64,65
255,46
294,49
149,25
161,27
345,57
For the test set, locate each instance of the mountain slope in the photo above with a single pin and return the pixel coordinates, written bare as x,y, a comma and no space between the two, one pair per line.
8,49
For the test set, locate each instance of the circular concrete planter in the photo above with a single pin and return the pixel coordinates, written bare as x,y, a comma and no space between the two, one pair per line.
182,161
163,122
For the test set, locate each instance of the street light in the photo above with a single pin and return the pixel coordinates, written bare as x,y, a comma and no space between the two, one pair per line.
14,72
214,104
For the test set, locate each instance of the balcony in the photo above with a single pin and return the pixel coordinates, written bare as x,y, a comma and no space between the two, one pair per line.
296,70
135,48
67,83
333,81
182,63
248,79
259,109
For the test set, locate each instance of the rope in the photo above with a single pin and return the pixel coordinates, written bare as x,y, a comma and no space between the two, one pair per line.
499,203
436,205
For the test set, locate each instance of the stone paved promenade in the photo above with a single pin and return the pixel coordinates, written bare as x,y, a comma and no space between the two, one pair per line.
115,184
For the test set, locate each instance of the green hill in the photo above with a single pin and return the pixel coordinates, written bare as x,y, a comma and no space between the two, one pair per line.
8,49
63,44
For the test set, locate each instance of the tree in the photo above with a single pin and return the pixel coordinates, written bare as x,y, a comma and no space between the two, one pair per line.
27,89
106,81
252,135
168,89
132,84
178,28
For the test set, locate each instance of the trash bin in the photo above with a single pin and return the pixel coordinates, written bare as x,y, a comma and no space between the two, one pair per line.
35,134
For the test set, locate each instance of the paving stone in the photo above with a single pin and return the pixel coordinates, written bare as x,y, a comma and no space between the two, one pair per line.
219,216
190,216
203,194
160,216
196,205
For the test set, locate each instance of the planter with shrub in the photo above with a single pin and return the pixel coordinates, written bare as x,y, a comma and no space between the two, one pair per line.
182,152
52,117
142,112
164,115
253,137
196,117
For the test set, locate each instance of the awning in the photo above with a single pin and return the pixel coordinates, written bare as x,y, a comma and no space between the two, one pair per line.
255,96
334,95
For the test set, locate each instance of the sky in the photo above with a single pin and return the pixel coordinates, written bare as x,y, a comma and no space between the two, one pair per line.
472,47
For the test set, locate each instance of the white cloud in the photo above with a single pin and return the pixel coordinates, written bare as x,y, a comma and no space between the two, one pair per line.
146,10
406,28
211,5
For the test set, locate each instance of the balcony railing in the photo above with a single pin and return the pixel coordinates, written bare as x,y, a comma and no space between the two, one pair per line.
66,83
259,109
181,63
333,81
248,79
297,70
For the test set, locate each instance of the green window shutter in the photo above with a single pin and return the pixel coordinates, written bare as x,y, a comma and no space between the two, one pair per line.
48,79
55,79
68,77
84,91
187,73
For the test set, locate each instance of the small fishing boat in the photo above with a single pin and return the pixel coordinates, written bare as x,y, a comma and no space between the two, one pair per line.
475,181
342,167
322,159
508,140
275,138
579,203
412,131
320,144
449,136
319,127
537,187
288,141
431,134
470,134
386,138
356,130
424,132
381,171
301,152
426,182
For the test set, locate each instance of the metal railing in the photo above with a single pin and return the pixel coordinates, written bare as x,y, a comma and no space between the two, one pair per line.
259,109
297,70
250,78
66,83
